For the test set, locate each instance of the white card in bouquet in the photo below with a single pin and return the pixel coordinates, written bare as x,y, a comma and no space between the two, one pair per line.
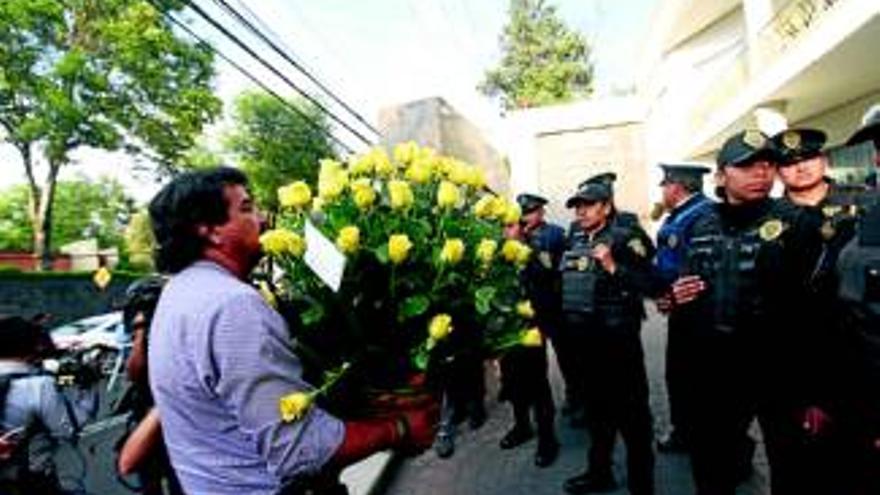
323,257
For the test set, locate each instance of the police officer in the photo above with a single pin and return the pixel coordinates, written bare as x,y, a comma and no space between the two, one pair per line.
683,198
747,264
524,370
605,275
858,270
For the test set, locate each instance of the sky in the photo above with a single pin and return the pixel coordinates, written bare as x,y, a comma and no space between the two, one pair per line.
376,53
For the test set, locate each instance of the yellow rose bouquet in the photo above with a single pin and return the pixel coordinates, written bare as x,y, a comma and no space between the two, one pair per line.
427,270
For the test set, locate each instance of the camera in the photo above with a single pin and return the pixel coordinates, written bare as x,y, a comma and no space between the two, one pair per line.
80,368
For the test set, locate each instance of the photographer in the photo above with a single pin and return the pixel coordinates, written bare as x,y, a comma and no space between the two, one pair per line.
34,412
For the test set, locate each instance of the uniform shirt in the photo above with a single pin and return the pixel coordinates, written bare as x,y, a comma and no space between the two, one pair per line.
220,359
53,414
674,236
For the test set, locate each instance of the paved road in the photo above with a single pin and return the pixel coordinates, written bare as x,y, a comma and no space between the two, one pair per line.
480,467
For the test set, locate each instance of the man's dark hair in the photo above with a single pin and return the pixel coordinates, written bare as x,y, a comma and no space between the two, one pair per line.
20,338
191,199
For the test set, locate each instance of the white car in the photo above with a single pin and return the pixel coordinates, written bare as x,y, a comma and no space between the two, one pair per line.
102,330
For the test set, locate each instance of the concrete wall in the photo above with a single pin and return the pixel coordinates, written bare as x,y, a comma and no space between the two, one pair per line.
67,297
842,121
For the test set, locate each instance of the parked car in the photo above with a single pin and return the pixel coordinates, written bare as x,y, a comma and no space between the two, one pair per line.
102,330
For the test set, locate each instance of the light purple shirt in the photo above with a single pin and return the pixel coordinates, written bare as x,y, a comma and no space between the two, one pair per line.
220,358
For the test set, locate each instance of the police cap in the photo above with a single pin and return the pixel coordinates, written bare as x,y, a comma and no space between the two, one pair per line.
597,188
796,145
530,202
870,129
688,174
745,148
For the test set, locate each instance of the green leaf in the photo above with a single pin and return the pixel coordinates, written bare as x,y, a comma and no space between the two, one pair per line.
420,357
312,315
382,254
483,299
413,306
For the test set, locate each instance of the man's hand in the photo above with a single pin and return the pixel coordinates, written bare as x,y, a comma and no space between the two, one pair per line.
686,289
815,421
602,254
664,303
421,425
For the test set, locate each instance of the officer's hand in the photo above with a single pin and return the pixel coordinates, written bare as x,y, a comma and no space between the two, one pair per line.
421,426
815,421
686,289
602,254
664,303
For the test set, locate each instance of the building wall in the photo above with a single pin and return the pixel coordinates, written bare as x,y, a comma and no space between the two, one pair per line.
840,122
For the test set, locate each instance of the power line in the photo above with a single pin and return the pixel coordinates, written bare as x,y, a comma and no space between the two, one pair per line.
252,77
204,15
284,54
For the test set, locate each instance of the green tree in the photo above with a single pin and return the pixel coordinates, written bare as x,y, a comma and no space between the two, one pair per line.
276,145
105,74
83,209
543,61
139,241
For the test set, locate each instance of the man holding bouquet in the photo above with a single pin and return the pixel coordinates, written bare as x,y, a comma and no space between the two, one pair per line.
221,358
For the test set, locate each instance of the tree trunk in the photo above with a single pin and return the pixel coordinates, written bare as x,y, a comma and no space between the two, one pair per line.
41,218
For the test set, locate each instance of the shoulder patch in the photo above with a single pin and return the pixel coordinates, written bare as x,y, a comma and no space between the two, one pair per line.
638,247
771,229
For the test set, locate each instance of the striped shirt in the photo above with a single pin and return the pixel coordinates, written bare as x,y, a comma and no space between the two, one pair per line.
220,358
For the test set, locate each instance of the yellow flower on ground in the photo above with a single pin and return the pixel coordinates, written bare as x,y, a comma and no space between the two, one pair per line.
440,327
405,153
267,294
279,242
349,239
452,252
363,193
399,246
401,194
419,172
524,309
486,250
532,338
485,206
294,406
447,195
513,214
294,195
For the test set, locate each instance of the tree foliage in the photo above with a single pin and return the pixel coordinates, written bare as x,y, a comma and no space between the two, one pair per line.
105,74
139,241
543,61
275,145
83,210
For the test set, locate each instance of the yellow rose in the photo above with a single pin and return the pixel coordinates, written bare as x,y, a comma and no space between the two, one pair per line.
363,193
452,252
439,327
268,295
349,239
295,195
485,206
532,338
477,178
524,309
486,250
362,164
332,179
447,195
398,248
294,406
381,163
280,242
499,208
401,194
419,172
516,252
513,214
405,153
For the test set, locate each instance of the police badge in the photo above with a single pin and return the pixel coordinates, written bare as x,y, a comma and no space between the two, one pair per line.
672,241
754,138
545,259
827,230
791,140
831,210
770,230
583,263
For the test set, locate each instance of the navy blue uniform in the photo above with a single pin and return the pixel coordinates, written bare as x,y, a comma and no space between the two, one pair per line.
673,240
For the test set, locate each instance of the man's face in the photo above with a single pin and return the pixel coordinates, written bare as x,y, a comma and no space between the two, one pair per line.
534,218
592,215
803,175
239,237
744,184
673,193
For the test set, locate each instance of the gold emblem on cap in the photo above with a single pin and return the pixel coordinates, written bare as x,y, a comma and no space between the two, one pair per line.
827,230
638,247
770,230
791,140
754,138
